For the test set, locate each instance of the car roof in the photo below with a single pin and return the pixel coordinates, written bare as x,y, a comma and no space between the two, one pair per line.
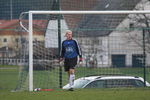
111,77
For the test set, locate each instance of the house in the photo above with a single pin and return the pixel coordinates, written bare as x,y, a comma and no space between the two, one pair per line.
101,44
14,37
129,48
97,34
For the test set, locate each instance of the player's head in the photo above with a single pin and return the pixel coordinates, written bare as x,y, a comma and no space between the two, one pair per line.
68,34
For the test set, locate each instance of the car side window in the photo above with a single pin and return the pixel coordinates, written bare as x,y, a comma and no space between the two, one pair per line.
96,84
136,83
139,83
113,83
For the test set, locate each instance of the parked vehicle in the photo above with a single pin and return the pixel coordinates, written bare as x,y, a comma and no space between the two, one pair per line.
108,82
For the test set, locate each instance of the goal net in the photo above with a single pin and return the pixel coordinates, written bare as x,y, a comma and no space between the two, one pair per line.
112,43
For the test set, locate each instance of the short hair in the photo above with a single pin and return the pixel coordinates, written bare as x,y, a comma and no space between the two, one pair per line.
68,31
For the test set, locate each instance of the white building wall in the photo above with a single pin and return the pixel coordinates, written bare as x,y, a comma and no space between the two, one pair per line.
96,52
51,37
124,41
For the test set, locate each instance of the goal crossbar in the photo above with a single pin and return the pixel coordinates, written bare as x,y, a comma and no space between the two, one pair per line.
93,12
65,12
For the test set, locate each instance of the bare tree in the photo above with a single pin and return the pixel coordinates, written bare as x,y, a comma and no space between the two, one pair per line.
140,22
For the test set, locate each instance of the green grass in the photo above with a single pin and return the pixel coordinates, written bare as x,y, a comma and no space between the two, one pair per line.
9,77
84,94
50,79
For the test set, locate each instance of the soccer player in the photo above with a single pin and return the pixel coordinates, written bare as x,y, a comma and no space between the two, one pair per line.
69,53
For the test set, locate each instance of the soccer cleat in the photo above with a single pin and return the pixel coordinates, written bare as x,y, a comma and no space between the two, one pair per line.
71,89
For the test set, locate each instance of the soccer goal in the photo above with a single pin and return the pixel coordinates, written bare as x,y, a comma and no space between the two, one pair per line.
112,42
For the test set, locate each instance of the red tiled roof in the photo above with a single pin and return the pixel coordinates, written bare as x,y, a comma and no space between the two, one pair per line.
9,23
8,27
40,23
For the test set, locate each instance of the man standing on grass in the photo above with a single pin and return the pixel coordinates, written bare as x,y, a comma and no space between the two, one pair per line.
69,53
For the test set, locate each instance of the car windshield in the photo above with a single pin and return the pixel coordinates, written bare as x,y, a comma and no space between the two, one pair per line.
79,83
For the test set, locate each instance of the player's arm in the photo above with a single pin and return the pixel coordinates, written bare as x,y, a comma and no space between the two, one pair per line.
79,51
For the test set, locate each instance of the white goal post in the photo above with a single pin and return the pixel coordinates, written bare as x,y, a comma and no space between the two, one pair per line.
31,13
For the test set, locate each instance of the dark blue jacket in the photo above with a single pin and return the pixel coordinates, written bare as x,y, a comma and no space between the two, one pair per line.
70,49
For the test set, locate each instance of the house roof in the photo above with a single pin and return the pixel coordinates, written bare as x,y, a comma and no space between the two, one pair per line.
86,25
98,25
12,25
7,23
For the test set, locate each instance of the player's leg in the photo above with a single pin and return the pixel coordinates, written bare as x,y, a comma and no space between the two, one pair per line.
73,63
67,69
71,77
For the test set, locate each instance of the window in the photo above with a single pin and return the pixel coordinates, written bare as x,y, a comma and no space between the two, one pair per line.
96,84
137,60
87,41
35,39
118,83
17,40
4,40
139,83
80,83
123,83
100,41
118,60
96,42
131,25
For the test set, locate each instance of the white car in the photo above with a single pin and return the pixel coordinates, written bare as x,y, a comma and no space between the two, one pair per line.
108,82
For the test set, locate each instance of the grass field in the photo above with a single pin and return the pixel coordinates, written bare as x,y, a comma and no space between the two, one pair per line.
9,77
90,94
50,79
